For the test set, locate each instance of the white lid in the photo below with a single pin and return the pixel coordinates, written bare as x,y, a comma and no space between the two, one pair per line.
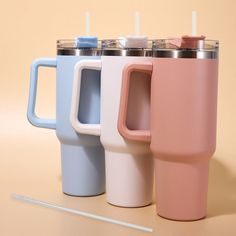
133,42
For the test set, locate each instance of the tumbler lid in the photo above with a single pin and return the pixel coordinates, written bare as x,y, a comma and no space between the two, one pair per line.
127,46
80,46
186,47
86,42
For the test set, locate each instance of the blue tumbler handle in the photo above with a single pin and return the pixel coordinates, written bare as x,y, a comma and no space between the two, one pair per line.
32,117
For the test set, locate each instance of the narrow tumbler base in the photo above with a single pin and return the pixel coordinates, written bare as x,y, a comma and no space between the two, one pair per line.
83,170
181,189
129,179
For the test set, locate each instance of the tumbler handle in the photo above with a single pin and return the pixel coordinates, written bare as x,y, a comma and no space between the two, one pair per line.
91,129
136,135
32,117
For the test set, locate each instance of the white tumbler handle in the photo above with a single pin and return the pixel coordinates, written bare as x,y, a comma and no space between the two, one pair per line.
91,129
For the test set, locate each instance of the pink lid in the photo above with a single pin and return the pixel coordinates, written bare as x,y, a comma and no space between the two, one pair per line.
192,42
186,47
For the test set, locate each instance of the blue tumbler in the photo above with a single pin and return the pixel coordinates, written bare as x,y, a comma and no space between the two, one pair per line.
82,156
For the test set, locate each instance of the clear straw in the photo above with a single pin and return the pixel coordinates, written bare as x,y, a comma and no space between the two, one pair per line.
87,23
80,213
136,23
194,23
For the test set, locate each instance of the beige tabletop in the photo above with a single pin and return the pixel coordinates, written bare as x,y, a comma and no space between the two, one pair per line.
30,165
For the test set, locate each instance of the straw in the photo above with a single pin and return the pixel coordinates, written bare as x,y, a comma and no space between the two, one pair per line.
87,23
80,213
194,23
136,23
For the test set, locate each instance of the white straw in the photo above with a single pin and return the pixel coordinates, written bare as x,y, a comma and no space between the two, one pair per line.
87,23
136,23
194,23
80,213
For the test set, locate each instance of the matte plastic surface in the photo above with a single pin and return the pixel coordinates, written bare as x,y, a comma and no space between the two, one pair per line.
32,117
83,164
183,132
124,158
80,109
129,165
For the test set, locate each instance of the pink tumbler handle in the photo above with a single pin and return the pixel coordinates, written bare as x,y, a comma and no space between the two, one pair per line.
136,135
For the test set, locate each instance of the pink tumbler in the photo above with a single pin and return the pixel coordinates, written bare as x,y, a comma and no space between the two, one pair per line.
183,122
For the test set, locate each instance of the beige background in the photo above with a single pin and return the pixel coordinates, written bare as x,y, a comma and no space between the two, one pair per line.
29,161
